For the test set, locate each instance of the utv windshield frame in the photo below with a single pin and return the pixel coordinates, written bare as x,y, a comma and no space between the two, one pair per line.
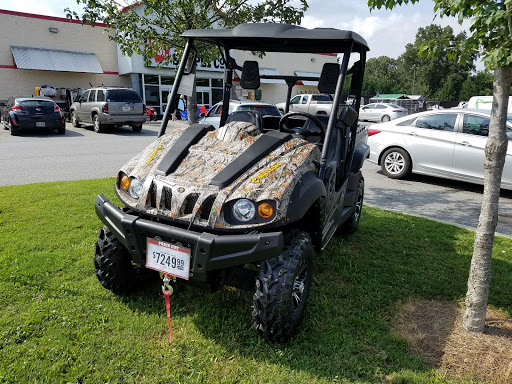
286,38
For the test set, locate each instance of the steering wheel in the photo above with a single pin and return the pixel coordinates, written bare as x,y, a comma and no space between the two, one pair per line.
283,127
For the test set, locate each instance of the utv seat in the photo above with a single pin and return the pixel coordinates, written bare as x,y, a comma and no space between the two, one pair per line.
252,117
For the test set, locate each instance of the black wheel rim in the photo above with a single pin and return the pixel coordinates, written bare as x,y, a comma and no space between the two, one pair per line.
299,285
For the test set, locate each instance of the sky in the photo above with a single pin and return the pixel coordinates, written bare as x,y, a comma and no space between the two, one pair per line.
387,32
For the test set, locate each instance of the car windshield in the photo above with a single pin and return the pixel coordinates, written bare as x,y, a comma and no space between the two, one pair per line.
123,96
265,110
35,103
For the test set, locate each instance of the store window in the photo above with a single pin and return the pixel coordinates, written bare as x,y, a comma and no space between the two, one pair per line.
217,90
202,82
167,80
151,79
152,95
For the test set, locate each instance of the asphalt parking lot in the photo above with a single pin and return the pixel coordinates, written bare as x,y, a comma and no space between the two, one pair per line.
82,154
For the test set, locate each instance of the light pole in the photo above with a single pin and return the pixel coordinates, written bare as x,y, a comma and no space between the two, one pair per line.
414,68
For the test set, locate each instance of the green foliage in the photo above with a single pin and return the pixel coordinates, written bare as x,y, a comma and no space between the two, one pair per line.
151,26
478,84
59,325
381,74
491,29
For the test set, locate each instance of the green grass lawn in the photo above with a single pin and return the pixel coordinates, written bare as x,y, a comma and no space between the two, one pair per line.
57,324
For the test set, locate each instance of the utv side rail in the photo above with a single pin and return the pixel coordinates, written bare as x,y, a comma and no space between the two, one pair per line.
209,252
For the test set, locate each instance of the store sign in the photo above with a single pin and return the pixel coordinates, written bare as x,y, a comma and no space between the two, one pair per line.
163,54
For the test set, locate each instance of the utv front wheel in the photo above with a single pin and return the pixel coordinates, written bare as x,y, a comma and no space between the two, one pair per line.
282,288
113,265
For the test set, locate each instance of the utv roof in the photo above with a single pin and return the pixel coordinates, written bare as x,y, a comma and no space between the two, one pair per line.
271,37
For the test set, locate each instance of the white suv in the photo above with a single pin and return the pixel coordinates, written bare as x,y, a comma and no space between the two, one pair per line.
265,109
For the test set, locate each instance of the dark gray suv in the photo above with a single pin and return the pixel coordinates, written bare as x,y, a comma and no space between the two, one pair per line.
105,107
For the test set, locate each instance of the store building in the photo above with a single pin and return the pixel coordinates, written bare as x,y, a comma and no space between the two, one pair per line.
37,50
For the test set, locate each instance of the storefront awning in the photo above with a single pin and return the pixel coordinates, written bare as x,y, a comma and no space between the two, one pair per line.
266,71
55,60
308,74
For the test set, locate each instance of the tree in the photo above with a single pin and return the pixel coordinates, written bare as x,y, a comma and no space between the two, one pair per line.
437,77
381,75
491,36
478,84
150,26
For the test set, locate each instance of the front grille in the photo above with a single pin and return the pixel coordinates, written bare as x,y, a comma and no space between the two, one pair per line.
167,198
189,203
152,195
206,207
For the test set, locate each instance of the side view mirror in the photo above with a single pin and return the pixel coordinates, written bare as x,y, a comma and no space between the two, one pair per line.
202,114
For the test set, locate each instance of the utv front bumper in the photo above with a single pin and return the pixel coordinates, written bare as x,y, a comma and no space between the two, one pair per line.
209,252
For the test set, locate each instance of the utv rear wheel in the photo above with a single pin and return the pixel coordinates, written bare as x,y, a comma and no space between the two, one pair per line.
98,127
350,226
282,288
113,265
396,163
74,120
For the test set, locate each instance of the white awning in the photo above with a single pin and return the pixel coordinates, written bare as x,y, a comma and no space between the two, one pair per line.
55,60
266,71
308,74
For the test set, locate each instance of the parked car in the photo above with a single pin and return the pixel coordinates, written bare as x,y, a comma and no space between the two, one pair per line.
265,109
448,143
381,112
24,113
104,107
320,104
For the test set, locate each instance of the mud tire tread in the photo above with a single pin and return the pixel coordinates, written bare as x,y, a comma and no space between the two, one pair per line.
113,265
273,313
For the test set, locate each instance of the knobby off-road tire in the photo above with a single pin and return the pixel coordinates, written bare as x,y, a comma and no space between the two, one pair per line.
114,268
282,288
350,226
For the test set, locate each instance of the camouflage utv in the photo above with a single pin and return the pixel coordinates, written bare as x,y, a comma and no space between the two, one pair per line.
245,205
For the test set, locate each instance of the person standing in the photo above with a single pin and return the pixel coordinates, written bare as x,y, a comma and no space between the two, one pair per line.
182,104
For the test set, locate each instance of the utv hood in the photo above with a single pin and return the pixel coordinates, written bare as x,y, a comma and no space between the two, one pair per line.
196,174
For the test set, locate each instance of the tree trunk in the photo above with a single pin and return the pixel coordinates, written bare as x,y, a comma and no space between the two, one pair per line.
495,152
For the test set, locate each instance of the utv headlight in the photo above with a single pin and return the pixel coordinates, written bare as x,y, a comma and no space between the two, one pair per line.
244,210
135,188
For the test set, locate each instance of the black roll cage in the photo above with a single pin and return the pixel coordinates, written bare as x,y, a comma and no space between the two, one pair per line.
346,47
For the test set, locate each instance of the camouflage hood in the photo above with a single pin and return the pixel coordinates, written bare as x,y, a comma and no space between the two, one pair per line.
193,174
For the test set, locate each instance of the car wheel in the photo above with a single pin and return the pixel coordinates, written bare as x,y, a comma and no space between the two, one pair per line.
61,131
114,268
14,132
385,118
137,127
98,127
282,288
350,226
148,118
74,120
396,163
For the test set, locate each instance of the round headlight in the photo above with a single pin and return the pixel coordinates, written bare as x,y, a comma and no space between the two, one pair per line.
135,188
244,210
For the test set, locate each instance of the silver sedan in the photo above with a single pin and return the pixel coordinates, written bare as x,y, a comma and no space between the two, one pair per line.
448,143
381,112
